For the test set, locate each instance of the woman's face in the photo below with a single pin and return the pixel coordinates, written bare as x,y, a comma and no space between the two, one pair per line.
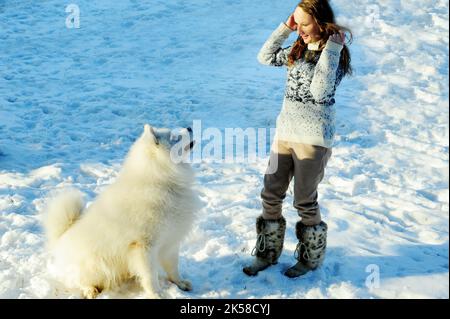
307,27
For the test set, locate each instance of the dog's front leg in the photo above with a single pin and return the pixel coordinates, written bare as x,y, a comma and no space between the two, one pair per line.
142,264
169,261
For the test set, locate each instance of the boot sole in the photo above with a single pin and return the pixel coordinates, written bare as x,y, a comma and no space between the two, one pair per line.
252,273
294,273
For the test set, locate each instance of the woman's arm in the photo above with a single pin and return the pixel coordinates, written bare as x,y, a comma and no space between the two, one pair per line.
324,81
271,53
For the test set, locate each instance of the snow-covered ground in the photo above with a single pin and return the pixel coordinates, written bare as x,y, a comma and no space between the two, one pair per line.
73,100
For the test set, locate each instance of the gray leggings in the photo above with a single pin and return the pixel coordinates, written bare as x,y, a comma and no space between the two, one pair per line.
306,164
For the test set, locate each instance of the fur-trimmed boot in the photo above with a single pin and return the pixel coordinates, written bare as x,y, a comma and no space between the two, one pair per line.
269,244
310,251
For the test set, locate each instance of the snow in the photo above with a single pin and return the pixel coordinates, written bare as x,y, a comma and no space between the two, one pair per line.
73,100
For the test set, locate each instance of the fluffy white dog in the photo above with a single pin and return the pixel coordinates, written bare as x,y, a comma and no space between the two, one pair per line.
134,226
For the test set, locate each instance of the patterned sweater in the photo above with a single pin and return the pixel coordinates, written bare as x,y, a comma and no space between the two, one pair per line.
308,113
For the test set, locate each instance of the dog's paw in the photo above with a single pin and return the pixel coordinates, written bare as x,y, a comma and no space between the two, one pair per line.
156,295
184,285
90,292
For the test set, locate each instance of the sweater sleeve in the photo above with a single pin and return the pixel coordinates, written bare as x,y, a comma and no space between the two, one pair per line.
271,53
327,73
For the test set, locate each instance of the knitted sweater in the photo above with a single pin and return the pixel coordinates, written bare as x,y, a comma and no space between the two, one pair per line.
308,114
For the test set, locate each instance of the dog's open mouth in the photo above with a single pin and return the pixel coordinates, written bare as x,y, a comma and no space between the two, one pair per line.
190,146
191,135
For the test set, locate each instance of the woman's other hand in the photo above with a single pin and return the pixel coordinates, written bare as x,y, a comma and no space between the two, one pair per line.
338,38
290,23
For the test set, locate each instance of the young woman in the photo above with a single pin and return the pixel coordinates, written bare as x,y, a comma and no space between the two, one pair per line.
316,62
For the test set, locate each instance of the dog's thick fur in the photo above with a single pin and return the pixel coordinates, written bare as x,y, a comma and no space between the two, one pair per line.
134,226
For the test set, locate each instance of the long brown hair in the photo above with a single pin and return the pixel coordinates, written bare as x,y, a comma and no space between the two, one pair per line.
323,14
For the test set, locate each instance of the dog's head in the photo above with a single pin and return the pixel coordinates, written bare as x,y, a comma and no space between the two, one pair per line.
160,151
164,144
168,139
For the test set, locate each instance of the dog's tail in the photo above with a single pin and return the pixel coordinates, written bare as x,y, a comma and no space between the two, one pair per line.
62,212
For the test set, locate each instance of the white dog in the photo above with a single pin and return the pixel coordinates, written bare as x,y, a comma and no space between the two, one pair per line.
134,226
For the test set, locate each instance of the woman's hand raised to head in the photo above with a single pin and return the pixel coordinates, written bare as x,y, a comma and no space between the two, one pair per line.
338,37
291,23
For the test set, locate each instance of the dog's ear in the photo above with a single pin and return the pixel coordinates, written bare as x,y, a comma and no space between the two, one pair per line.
189,147
150,134
148,129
